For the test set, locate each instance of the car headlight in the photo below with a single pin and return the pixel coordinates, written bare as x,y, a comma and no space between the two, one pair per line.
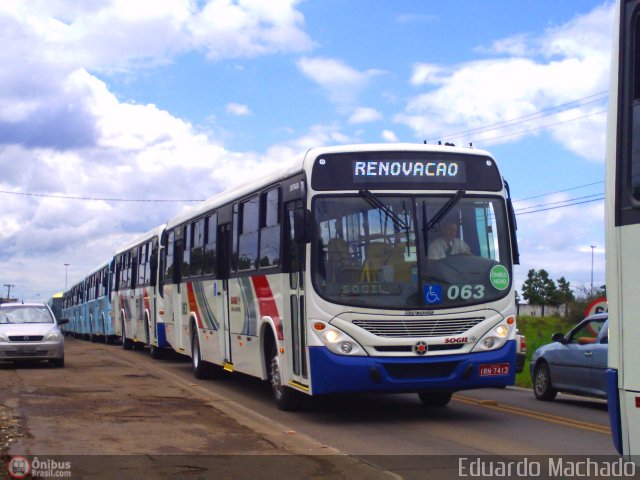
494,339
4,338
336,340
53,337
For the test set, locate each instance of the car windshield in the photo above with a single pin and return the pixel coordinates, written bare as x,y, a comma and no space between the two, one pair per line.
25,314
383,251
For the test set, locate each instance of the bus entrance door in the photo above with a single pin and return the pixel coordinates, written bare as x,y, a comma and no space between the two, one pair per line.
294,322
224,268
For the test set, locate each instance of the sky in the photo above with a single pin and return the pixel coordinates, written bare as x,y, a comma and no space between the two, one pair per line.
116,115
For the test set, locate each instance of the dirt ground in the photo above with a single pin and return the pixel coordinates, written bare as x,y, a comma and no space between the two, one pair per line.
111,417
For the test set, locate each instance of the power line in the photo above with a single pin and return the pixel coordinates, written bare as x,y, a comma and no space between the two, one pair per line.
96,199
521,132
559,191
562,206
599,195
525,118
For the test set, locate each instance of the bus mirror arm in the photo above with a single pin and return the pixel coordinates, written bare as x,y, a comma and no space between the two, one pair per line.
515,251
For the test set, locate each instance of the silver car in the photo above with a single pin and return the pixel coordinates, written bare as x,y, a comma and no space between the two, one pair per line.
575,362
30,332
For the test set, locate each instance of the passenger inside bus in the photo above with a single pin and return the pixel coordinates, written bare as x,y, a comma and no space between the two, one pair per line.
448,243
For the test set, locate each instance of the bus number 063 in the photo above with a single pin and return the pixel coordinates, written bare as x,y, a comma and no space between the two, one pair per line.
465,292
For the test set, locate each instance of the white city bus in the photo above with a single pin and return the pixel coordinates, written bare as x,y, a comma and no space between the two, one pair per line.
623,231
135,303
332,276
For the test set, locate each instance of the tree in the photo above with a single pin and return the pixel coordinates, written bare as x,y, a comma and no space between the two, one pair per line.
564,294
539,289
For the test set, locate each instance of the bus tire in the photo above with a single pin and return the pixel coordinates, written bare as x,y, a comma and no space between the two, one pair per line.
435,399
127,343
542,387
201,369
155,351
285,397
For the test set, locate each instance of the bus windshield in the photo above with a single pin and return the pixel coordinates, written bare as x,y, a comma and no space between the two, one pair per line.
385,251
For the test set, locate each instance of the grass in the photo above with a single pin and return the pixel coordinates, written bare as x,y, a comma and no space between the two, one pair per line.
538,332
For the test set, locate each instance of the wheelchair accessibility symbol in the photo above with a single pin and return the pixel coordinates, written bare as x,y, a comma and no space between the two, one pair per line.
432,294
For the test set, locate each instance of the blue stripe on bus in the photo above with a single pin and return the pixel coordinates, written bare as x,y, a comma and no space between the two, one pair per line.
331,373
613,399
162,336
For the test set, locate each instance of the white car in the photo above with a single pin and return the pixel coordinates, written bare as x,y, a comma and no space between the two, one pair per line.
521,352
30,332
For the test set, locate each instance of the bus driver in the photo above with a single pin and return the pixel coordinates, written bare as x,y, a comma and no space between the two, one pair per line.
448,243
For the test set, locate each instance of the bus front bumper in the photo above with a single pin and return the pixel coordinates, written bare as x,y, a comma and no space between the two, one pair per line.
333,373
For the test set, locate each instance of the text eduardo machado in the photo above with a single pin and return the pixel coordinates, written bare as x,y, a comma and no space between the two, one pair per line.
560,467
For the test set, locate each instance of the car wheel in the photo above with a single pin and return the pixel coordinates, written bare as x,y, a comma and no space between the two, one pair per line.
438,399
57,362
286,399
542,387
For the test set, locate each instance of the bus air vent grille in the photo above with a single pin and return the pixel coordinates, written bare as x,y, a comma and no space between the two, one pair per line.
411,327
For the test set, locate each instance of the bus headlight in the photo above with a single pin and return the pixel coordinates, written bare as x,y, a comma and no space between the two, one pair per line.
494,339
336,340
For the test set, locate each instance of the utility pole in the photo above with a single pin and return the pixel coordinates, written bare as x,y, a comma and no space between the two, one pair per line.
592,247
8,285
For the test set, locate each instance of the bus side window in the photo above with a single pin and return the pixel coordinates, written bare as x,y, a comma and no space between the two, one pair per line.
187,238
248,234
635,129
211,240
270,229
197,248
168,262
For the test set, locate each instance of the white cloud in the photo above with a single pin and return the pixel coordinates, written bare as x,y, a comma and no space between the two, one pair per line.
229,29
364,115
389,136
425,73
238,109
339,80
566,63
120,34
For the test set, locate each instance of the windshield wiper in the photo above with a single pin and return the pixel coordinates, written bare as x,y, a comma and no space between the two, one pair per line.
440,214
375,202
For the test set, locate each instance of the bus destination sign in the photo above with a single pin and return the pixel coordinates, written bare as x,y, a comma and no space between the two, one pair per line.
408,171
405,171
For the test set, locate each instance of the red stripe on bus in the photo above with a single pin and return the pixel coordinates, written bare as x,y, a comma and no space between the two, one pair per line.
193,305
145,298
266,302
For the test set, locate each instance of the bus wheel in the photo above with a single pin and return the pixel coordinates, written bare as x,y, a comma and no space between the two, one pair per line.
200,367
286,399
155,351
127,343
435,399
542,388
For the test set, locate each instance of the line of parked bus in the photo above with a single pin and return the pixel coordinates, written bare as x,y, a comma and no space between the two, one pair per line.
321,278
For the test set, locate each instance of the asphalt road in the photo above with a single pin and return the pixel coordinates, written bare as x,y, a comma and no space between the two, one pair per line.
506,421
110,401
